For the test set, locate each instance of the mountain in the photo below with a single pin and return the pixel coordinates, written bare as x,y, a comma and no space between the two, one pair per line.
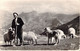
38,21
5,18
34,21
66,17
55,23
74,23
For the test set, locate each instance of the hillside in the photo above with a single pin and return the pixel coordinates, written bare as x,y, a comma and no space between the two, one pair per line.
5,18
73,23
36,22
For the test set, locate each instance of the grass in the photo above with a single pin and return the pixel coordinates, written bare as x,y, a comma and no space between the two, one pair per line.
65,44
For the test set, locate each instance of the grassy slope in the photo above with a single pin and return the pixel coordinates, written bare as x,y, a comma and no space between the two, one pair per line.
66,44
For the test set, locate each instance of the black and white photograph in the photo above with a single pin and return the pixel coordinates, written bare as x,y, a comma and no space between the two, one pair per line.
40,25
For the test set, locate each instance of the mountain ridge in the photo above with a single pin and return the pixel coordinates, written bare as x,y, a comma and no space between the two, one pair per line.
37,21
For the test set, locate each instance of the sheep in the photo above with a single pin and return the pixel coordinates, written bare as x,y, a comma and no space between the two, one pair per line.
58,35
54,34
30,37
49,33
8,36
72,32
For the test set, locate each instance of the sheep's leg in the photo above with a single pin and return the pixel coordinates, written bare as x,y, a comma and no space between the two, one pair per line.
28,42
57,40
48,41
13,41
33,41
36,41
51,40
71,35
5,42
10,42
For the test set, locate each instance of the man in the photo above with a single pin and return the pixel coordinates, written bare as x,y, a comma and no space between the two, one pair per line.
17,24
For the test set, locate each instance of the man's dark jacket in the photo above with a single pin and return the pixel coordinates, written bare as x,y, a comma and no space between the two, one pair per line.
19,27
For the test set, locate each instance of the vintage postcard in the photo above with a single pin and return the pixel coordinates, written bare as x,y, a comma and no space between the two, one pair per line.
40,25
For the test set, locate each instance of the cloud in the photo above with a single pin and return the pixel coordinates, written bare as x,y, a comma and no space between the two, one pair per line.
58,6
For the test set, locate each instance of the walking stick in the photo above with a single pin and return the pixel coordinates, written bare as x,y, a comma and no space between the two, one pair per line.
16,35
16,38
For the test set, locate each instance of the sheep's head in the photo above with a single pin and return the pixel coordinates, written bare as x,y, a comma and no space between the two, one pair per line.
10,28
48,30
64,36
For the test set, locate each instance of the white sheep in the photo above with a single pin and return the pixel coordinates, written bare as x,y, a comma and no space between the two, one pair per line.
54,34
72,32
59,34
30,37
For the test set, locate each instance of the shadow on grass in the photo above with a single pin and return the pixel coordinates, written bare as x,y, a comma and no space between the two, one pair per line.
45,44
6,45
25,45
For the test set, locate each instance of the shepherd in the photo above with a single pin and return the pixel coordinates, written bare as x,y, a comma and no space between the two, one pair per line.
17,24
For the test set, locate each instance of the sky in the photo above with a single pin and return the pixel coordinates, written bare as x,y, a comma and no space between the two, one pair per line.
57,6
